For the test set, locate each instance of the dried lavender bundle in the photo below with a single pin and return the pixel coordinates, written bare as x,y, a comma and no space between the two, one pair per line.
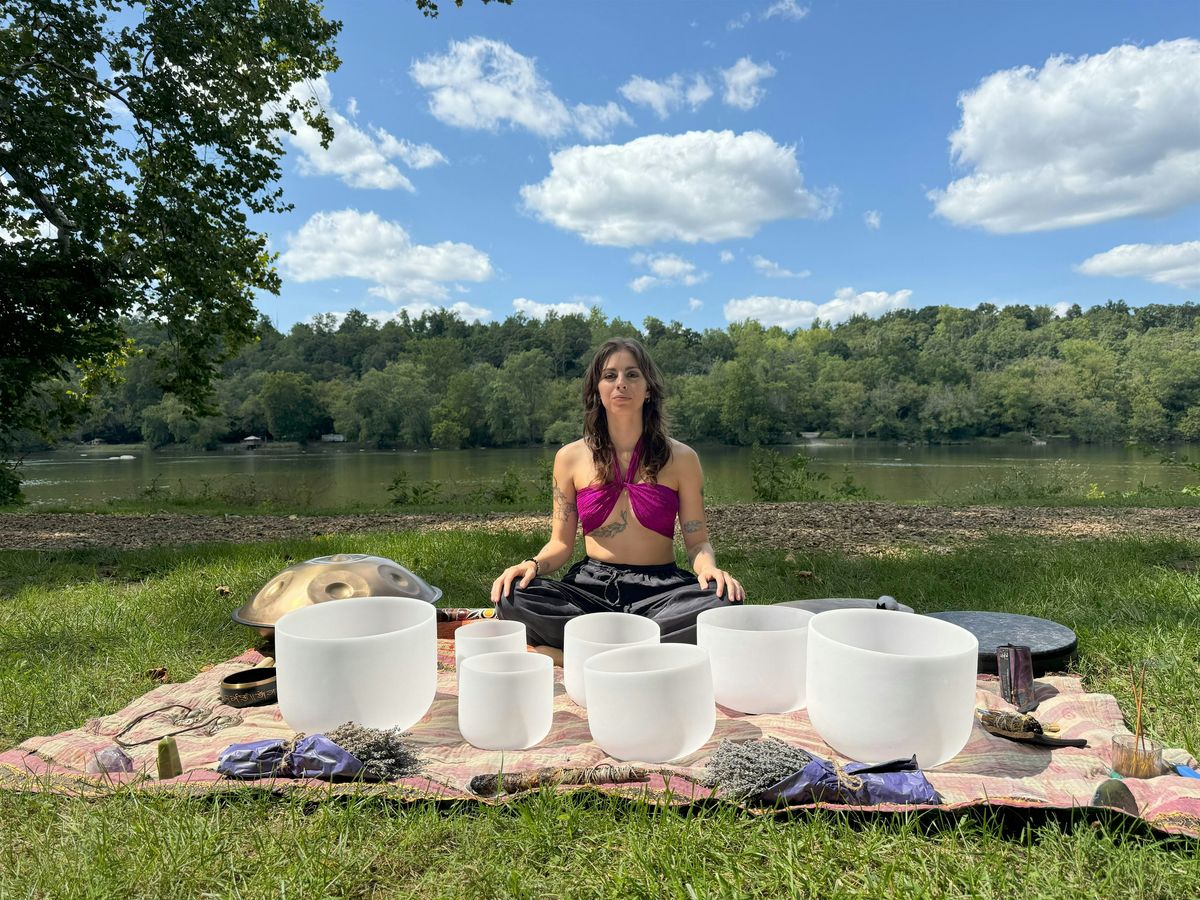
385,753
744,769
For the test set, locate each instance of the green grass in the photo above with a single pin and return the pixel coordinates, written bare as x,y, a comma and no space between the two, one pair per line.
78,630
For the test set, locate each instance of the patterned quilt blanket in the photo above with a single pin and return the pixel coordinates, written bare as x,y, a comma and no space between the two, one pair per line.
988,771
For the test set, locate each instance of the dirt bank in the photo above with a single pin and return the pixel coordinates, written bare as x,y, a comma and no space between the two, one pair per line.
851,528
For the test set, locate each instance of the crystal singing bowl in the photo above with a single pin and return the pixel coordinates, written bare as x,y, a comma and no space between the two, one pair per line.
652,702
505,700
587,635
885,685
371,660
488,636
758,656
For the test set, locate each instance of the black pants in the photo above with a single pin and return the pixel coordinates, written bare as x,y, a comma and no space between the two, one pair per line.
669,595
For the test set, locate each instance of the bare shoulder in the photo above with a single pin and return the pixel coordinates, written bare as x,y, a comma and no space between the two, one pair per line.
570,453
684,456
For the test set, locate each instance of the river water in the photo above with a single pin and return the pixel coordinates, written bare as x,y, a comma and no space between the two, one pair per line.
330,476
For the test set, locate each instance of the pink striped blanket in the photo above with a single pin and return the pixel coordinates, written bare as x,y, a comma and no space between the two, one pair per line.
989,770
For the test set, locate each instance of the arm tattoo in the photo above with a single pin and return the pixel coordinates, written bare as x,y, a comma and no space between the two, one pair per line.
564,509
614,527
691,526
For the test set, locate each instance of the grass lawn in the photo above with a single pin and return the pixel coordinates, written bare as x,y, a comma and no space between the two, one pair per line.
80,629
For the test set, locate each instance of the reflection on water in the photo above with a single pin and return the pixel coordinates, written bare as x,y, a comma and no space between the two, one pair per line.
337,476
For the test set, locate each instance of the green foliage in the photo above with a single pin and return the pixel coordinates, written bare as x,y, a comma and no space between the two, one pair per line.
406,492
293,410
510,490
10,484
775,478
1060,480
128,181
929,375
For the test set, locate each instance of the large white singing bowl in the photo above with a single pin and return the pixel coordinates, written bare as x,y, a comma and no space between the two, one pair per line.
758,656
505,700
587,635
652,703
370,660
885,685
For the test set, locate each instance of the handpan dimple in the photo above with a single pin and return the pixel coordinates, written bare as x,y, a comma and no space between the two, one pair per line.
1051,644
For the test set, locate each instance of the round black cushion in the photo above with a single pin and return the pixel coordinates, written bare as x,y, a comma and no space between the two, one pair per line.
1051,645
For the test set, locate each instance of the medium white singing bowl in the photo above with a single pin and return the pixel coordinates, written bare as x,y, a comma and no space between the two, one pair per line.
370,660
487,636
505,700
885,685
587,635
758,656
652,702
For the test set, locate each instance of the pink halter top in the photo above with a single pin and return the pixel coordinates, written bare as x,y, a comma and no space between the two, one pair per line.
654,505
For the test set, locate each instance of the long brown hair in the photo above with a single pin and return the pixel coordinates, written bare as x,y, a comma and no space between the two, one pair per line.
656,439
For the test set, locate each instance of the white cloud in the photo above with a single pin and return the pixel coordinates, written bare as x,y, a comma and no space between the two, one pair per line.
740,22
660,96
786,9
772,269
699,186
1078,141
356,157
667,95
694,304
536,310
1177,264
697,92
741,82
352,107
801,313
595,123
415,156
352,244
873,219
665,268
483,84
1061,308
726,256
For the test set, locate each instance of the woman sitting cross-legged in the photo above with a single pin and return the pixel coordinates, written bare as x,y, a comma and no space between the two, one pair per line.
626,481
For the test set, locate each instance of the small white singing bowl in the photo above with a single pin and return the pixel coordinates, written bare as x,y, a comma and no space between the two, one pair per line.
371,660
505,700
759,656
886,685
488,636
587,635
652,702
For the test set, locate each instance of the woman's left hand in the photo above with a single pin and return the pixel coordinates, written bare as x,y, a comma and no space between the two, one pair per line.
726,584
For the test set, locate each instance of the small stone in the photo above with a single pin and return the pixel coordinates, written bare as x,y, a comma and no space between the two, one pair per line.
110,759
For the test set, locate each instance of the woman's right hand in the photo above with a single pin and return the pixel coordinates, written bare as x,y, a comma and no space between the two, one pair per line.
524,570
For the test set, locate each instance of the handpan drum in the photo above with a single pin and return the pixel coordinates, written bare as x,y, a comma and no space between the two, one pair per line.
326,578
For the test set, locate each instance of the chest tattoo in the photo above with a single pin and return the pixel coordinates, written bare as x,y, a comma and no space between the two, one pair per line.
613,527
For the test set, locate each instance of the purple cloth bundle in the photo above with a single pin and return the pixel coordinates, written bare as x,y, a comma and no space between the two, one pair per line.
857,784
313,757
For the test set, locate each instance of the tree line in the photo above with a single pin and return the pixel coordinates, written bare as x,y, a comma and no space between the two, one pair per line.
944,373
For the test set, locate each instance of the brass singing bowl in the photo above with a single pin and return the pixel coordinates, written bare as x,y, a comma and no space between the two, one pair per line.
249,687
331,578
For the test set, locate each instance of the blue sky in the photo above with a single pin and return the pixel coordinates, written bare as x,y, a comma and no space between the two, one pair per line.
713,161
